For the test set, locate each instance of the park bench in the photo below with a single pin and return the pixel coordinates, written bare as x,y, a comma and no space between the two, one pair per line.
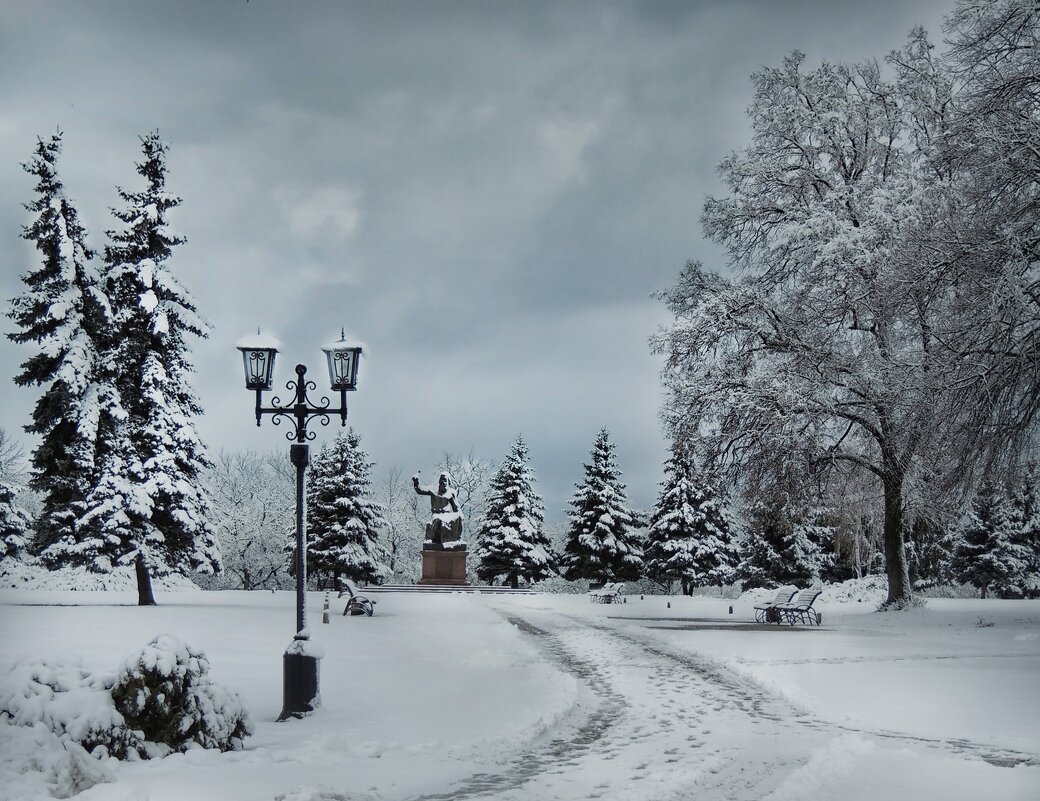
767,612
357,604
801,608
607,594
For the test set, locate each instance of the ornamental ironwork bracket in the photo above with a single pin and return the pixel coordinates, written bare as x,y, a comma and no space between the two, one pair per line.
302,410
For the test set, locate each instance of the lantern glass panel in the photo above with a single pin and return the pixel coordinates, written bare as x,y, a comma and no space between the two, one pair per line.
259,367
342,367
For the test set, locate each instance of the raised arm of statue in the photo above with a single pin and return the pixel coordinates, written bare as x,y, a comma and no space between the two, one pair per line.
422,490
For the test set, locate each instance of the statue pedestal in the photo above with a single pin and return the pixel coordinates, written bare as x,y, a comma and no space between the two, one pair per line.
444,566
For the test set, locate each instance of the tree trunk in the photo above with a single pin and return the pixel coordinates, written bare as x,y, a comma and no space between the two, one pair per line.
514,581
899,594
145,597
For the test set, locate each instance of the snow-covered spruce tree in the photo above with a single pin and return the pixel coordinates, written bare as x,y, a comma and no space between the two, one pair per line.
511,541
62,313
690,534
929,553
14,525
154,316
602,544
988,554
1027,506
343,520
780,547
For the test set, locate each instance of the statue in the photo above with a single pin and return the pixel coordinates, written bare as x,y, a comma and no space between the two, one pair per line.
445,529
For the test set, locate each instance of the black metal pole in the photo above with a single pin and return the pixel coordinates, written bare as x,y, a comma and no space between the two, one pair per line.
300,457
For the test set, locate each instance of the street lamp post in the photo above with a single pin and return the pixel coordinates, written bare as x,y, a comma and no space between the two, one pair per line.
300,694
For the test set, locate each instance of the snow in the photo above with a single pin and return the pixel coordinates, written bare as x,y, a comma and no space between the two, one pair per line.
304,646
258,342
549,696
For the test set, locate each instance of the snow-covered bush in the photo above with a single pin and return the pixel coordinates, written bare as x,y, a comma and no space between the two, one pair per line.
37,763
162,700
31,574
869,589
950,591
165,692
562,586
872,589
69,701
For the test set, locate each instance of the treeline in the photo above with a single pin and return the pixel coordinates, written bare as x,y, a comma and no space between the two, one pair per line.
691,537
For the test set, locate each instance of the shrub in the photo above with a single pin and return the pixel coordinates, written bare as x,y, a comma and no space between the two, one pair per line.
162,700
69,701
165,692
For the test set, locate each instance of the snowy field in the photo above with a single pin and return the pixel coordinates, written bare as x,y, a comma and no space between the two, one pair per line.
551,697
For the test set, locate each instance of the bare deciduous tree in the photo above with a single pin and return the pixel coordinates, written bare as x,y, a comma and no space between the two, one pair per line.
253,498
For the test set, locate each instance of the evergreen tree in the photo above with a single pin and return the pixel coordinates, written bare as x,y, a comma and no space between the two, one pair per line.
342,519
760,561
989,554
153,318
63,313
601,543
781,546
689,537
14,525
929,554
1030,530
511,541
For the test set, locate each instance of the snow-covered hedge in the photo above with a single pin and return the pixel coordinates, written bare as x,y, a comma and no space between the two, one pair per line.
160,701
869,589
29,574
558,584
165,692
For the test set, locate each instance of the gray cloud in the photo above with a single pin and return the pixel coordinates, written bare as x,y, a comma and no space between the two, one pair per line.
486,193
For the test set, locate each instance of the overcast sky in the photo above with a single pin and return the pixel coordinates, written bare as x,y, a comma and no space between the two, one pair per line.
486,194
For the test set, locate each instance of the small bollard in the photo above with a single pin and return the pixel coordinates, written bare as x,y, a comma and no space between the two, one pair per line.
669,604
640,597
624,600
325,611
731,610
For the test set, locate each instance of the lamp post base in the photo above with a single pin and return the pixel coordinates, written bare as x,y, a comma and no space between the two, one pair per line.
300,696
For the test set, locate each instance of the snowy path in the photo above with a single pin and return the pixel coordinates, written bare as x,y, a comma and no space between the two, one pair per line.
654,723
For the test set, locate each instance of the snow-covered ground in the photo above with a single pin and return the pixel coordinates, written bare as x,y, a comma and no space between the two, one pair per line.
549,696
